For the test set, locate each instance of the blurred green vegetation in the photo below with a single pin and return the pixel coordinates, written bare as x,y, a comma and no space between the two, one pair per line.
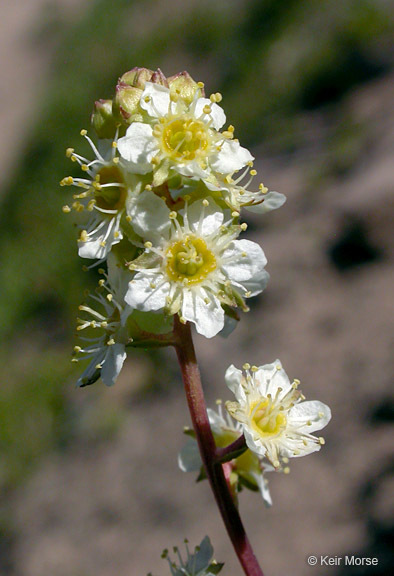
270,59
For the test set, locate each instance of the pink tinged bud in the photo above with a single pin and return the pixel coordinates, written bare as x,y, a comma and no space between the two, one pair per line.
159,78
184,85
103,120
126,102
136,77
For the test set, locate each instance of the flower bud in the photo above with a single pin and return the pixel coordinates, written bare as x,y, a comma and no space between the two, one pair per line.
184,85
103,120
159,78
136,77
126,102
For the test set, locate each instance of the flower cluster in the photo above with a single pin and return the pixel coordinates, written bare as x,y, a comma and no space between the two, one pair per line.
160,202
158,208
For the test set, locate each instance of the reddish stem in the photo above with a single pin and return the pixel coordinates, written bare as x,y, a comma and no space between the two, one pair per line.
231,451
214,470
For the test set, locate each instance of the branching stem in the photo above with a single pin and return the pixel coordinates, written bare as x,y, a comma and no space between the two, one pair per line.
209,455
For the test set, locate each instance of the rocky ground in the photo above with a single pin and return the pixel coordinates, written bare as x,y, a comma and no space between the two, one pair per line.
109,506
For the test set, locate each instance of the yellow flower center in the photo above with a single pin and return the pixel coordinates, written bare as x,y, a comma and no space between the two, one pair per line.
266,418
189,260
110,197
184,139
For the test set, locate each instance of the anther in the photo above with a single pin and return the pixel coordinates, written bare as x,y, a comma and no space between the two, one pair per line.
83,132
148,244
66,209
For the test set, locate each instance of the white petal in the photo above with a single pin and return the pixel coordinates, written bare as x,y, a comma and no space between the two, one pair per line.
272,201
115,357
270,377
232,157
150,216
313,411
91,370
244,263
155,100
296,446
230,325
233,378
217,113
213,217
191,170
254,446
99,243
189,459
207,317
138,148
262,483
216,421
118,278
142,296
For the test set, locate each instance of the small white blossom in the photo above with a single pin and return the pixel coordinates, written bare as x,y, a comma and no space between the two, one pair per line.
176,136
200,563
276,423
236,194
106,350
193,268
102,195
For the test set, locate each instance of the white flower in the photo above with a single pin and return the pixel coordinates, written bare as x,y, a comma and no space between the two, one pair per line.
103,195
236,194
106,351
193,268
179,137
276,423
247,470
200,563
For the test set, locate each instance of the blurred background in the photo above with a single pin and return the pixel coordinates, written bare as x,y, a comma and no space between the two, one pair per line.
89,483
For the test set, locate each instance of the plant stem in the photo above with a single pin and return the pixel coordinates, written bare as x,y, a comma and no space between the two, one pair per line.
214,470
231,451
